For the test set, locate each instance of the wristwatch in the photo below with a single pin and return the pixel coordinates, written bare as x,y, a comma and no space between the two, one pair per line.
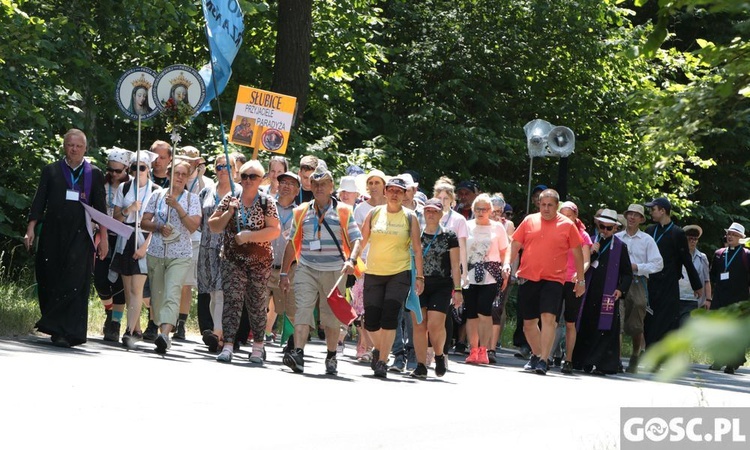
581,282
353,261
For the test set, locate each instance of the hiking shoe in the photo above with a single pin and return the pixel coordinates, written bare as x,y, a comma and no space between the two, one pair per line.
473,357
294,361
381,369
491,357
179,332
130,339
112,332
440,367
375,358
152,331
331,366
482,358
459,348
541,367
225,356
211,340
532,363
269,337
420,371
399,364
567,367
729,369
523,352
162,343
557,361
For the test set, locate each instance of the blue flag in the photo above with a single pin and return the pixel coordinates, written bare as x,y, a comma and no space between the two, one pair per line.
224,29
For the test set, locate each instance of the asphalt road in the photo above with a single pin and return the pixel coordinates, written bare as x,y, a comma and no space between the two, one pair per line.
102,396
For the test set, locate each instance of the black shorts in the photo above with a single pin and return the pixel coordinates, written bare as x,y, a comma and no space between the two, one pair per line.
437,294
537,297
572,303
478,299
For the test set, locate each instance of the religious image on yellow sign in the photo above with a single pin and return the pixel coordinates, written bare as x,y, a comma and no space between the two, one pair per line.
262,120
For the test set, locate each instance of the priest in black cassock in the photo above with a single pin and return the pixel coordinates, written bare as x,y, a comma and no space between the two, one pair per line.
65,251
597,348
663,287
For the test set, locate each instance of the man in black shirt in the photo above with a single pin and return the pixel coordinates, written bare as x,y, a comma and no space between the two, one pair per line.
663,287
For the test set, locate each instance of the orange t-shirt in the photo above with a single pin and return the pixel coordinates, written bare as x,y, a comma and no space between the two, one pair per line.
545,246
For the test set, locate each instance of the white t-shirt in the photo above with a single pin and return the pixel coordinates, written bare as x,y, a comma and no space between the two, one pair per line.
455,222
144,195
485,243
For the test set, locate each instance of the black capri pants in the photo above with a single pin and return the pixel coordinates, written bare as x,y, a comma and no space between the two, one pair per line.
384,297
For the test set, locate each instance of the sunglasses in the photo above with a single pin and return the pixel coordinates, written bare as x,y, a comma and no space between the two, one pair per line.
508,214
112,169
606,227
481,210
220,167
250,176
141,168
306,167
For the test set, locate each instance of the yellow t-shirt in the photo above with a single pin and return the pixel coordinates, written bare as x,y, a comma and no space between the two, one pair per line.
389,243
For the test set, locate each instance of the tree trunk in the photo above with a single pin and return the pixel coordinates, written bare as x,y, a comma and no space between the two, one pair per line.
291,74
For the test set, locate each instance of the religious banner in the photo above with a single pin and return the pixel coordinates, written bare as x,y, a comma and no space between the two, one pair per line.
133,93
262,120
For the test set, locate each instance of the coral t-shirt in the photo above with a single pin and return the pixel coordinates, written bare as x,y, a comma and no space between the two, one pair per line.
545,246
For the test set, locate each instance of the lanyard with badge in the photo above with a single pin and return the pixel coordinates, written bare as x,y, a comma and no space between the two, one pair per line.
662,235
315,244
165,216
72,193
728,262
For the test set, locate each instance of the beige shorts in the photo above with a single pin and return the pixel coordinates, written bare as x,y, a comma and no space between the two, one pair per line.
191,279
635,307
283,302
311,285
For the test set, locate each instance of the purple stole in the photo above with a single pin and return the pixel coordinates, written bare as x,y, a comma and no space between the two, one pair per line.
68,175
612,277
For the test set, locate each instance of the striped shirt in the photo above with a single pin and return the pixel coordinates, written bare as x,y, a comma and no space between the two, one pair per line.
327,257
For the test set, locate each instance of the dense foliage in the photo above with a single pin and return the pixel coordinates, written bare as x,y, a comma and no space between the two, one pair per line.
657,97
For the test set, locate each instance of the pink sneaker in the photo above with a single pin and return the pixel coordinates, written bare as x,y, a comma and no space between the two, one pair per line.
482,356
473,357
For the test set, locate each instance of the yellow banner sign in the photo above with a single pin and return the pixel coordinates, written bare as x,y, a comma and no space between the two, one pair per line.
262,120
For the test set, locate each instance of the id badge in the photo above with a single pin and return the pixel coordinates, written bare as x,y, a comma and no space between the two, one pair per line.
314,245
724,276
72,195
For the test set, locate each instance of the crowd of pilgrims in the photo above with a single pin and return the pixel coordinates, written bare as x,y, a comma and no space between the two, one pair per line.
254,242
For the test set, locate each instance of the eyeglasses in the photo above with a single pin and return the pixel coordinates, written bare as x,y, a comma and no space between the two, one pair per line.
306,167
112,169
692,238
481,210
180,174
135,167
220,167
508,214
250,176
287,183
606,227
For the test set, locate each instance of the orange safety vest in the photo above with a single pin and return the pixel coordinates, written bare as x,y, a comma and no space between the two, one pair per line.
344,212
